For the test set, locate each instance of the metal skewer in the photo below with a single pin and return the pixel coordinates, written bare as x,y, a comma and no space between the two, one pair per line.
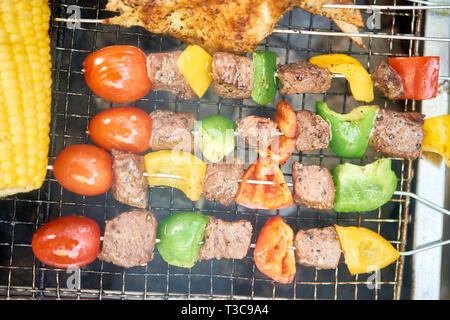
425,247
427,2
304,32
289,184
384,7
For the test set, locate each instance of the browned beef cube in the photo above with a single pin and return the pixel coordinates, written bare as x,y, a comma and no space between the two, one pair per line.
232,75
318,248
312,131
222,181
164,74
129,184
398,134
388,81
172,130
303,77
129,238
229,240
313,186
257,132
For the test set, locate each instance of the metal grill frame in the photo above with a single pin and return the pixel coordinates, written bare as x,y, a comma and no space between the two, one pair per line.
22,275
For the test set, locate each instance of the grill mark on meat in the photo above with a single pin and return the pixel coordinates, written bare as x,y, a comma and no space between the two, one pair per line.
129,184
164,74
313,186
172,130
257,132
130,238
312,131
222,181
398,134
229,240
232,75
303,77
388,81
318,247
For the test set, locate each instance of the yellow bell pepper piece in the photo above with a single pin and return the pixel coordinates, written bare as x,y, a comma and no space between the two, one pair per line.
196,66
189,168
357,76
365,250
437,136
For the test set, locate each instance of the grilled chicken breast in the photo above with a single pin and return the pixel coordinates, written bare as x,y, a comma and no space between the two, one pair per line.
235,26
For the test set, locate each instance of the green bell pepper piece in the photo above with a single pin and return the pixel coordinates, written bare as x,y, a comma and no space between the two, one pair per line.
217,137
349,132
264,83
363,188
180,236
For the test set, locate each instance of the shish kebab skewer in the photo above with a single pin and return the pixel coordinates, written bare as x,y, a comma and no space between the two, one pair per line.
190,72
184,238
289,184
422,248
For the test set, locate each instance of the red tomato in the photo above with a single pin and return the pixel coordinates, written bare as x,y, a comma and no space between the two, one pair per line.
286,119
122,128
67,242
117,73
272,254
420,76
84,169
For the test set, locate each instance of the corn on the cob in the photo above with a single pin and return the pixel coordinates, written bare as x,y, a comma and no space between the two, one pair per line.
25,94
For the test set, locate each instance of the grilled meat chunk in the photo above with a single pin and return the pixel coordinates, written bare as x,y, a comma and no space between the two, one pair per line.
318,248
222,181
129,238
257,132
312,131
164,74
236,26
229,240
232,75
172,130
303,77
313,186
398,134
129,184
388,81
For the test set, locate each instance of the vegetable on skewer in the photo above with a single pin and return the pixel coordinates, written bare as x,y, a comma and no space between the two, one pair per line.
349,132
184,238
189,73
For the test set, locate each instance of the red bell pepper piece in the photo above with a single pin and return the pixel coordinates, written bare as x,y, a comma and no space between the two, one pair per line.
283,146
420,76
264,196
272,254
280,149
286,119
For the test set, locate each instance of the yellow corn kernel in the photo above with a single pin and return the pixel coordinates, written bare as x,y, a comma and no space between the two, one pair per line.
25,94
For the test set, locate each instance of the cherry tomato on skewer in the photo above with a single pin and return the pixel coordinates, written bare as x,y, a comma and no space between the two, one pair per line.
126,129
117,73
84,169
67,242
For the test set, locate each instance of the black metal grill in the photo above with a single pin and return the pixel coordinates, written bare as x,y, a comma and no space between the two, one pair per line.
22,275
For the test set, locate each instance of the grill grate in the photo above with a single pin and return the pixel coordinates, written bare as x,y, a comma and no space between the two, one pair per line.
21,275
